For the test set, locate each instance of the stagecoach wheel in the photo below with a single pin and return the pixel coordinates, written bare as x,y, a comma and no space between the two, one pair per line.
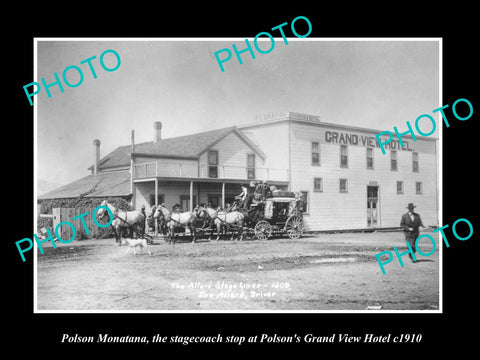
263,230
294,227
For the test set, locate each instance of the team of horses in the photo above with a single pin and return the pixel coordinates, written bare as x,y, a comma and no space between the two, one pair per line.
172,223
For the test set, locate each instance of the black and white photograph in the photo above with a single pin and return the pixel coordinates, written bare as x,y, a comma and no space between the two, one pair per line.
171,177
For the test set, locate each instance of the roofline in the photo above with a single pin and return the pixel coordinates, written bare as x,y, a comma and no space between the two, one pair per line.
325,124
103,160
121,167
242,136
164,156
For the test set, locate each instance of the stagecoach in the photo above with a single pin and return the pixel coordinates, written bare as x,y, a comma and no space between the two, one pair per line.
275,216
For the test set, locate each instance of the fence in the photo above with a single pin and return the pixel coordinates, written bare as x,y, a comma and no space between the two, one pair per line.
67,214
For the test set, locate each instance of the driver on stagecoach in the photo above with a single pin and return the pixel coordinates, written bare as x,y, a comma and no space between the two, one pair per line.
244,197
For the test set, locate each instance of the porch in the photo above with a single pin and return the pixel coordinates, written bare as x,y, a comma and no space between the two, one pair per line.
188,192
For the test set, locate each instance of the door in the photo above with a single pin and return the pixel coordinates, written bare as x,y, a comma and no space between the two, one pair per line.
372,205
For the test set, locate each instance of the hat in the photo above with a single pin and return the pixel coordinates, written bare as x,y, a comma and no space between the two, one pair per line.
410,206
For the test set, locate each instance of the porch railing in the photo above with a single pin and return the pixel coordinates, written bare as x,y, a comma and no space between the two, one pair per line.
182,170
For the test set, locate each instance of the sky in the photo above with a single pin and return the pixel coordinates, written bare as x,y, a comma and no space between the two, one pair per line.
372,84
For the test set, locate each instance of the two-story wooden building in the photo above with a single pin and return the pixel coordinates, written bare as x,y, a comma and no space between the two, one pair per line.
346,181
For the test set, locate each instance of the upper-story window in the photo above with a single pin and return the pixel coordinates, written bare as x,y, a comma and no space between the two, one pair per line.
415,162
393,160
369,158
213,164
315,153
250,166
343,156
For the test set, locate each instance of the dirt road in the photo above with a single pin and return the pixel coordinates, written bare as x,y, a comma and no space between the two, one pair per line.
316,272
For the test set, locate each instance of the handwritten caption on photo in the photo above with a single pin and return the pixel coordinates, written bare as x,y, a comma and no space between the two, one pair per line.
233,290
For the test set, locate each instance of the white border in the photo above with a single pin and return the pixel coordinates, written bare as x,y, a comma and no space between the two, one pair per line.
439,184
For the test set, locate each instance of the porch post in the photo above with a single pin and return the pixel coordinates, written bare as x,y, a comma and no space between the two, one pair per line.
132,176
191,196
223,195
156,204
132,169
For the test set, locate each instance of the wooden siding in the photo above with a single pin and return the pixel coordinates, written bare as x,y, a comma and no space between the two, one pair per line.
273,140
232,159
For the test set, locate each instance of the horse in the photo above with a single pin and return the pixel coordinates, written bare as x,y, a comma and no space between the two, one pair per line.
175,220
123,219
222,218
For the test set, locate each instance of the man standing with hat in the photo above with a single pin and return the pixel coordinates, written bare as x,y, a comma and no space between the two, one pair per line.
410,223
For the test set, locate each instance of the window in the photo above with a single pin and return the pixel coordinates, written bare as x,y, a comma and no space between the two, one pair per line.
317,184
343,156
393,160
369,158
399,187
343,185
315,153
303,204
418,188
160,199
213,164
415,162
250,166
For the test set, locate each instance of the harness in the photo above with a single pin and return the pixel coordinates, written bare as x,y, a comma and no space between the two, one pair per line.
173,220
115,215
216,216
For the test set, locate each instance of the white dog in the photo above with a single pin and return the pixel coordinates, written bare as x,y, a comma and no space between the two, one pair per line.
137,243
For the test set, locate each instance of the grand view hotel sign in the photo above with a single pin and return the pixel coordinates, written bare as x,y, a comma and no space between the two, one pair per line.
335,137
